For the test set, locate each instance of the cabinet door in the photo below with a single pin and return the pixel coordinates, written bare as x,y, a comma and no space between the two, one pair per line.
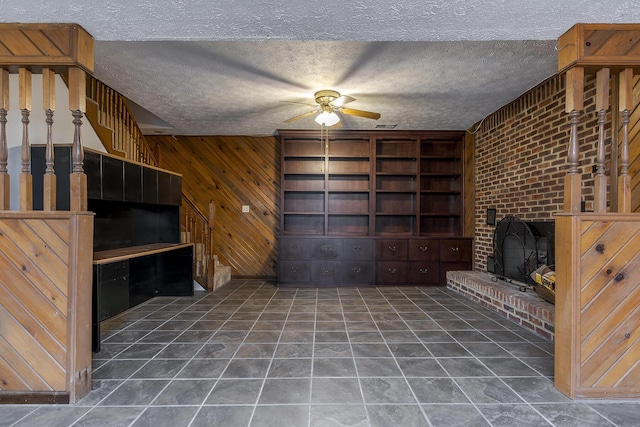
112,179
357,249
132,182
149,185
295,272
391,272
164,188
357,272
392,249
93,169
423,273
326,249
176,190
455,250
293,249
325,272
424,250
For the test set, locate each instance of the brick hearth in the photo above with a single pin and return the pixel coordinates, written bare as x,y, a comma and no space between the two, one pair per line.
526,309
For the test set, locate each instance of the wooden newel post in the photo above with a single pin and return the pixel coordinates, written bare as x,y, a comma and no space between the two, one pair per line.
574,104
602,105
211,271
77,105
49,105
4,150
26,187
626,105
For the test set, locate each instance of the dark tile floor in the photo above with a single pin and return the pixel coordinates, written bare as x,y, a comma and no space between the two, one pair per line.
251,354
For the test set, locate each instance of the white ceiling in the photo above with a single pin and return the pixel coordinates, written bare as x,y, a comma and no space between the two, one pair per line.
233,67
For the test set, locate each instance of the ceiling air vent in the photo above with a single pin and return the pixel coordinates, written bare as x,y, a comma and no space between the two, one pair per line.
386,126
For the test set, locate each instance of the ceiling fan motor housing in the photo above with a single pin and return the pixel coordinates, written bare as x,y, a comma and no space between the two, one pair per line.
324,97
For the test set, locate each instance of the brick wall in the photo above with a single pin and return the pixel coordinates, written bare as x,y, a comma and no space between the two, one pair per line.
521,158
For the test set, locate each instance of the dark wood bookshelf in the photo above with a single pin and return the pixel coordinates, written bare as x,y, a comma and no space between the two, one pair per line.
372,187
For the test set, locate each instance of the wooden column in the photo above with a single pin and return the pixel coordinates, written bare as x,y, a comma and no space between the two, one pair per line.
626,105
602,105
4,151
26,188
574,104
77,105
49,105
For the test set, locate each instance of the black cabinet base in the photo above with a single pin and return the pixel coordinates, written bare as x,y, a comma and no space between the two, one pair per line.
122,284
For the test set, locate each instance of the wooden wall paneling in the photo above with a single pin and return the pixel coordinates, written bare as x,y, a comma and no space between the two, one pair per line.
597,300
232,171
45,306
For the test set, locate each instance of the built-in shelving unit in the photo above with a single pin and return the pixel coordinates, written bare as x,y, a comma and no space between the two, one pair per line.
386,187
137,253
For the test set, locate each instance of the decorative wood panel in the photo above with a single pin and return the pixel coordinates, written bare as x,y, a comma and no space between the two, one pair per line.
50,45
598,305
232,171
45,305
591,45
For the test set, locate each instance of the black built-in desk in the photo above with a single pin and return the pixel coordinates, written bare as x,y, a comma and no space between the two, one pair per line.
136,240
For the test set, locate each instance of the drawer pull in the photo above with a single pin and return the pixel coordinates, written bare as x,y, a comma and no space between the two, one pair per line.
424,248
294,246
392,270
325,247
357,269
455,249
392,248
294,269
327,270
357,248
424,270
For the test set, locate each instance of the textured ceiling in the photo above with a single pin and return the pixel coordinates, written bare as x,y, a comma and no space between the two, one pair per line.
233,67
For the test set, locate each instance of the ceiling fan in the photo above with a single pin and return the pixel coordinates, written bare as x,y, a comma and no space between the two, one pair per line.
329,102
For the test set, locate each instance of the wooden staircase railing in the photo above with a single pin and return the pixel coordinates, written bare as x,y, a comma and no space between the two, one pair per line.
197,228
45,256
116,127
597,330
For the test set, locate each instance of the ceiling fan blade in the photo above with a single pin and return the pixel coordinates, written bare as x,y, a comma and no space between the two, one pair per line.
337,125
360,113
301,116
340,101
299,103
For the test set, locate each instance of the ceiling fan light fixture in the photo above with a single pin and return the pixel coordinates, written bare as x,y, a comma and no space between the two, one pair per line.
327,118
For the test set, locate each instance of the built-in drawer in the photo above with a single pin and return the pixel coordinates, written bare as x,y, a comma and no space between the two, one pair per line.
357,249
294,272
325,271
423,272
424,250
357,272
392,249
326,249
391,272
293,249
455,250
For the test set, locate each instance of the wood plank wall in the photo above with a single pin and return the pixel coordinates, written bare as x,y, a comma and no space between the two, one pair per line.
232,171
597,317
45,305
